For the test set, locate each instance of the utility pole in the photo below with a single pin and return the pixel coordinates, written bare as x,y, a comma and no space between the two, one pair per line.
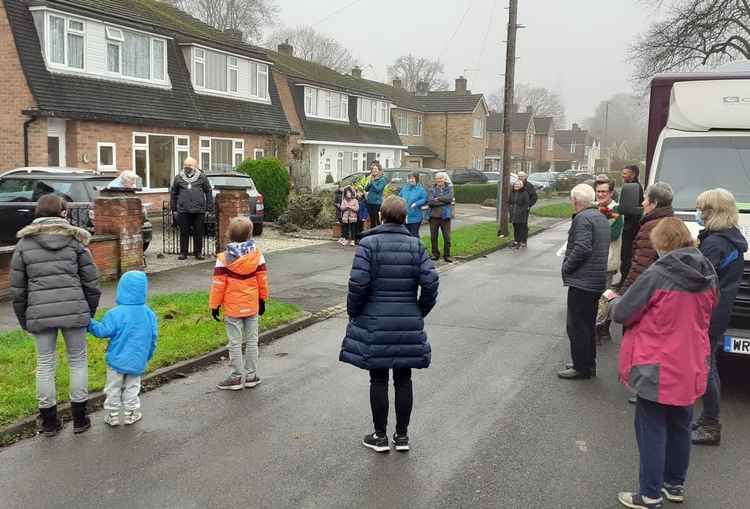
503,186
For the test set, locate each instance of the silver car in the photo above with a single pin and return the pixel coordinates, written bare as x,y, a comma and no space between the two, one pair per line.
236,179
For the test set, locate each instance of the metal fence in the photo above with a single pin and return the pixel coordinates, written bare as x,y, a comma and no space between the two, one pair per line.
171,233
80,214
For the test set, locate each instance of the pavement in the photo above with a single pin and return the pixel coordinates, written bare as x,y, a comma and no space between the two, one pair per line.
492,425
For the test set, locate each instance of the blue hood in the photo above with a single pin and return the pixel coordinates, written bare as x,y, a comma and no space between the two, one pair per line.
132,288
735,237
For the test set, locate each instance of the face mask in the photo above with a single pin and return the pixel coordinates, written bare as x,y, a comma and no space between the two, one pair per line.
699,218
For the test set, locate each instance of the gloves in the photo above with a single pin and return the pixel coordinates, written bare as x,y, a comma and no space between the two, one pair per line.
261,307
215,314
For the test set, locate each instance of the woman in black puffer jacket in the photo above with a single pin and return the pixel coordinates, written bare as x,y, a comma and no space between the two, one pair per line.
55,287
724,245
392,287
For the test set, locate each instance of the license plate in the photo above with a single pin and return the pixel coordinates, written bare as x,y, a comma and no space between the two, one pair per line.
737,345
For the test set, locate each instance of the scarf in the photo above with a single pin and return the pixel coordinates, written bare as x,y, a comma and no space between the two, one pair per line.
192,178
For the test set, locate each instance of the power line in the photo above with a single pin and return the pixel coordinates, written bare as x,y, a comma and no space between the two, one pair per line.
337,11
458,27
487,32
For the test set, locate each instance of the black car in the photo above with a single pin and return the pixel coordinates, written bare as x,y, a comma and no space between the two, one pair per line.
21,189
467,176
237,179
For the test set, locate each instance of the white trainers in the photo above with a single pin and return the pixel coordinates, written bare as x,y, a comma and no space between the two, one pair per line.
112,418
133,417
351,243
252,382
342,241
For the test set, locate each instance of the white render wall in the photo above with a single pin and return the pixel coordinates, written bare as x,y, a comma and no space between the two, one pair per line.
322,155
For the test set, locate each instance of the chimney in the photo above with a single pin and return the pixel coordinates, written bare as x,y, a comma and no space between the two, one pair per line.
397,83
423,88
529,109
286,49
575,127
460,85
357,72
234,35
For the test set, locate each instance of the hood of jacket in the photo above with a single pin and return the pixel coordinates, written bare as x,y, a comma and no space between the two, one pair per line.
385,228
242,257
658,213
688,269
132,289
54,233
731,235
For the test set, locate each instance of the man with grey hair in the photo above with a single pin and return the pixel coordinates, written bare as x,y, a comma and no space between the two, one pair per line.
529,188
441,211
584,272
657,204
191,200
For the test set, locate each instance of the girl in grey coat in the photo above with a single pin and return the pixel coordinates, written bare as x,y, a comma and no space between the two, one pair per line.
54,287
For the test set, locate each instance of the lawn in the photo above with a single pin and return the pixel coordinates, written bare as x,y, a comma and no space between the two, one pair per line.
562,210
475,239
186,330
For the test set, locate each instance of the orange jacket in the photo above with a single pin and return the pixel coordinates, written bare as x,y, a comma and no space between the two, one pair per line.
238,283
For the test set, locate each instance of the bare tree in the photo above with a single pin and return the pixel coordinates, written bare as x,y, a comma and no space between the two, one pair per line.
623,118
248,16
544,102
309,44
411,70
690,34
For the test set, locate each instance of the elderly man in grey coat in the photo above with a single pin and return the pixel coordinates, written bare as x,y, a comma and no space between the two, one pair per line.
584,272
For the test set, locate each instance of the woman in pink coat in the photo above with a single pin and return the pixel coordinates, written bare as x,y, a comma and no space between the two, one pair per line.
664,358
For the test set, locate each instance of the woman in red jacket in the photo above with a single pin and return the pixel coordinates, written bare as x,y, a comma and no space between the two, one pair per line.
664,358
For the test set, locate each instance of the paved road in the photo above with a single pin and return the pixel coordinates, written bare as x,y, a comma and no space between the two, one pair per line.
492,425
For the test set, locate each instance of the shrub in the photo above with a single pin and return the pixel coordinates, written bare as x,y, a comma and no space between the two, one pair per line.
474,193
311,210
271,179
490,202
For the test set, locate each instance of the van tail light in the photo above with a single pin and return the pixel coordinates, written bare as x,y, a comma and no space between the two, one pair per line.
259,207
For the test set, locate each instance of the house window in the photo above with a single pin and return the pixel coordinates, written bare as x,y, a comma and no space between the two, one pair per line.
417,131
259,153
114,49
258,80
370,111
550,143
157,59
66,44
326,104
478,127
221,154
199,67
155,158
135,55
106,159
183,150
572,148
218,72
233,70
403,123
530,140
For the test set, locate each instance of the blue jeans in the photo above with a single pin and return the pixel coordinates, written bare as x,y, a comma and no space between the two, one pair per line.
663,435
710,414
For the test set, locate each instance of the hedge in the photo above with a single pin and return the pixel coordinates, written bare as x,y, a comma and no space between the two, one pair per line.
271,179
474,193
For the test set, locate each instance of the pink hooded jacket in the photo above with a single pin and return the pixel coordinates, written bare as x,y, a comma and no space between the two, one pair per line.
665,355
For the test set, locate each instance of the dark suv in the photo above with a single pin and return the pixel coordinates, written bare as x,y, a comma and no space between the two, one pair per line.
21,189
467,176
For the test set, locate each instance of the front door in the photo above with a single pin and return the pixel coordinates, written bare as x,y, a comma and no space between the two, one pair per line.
55,142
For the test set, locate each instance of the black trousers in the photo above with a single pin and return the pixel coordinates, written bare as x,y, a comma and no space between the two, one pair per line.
444,225
379,398
521,232
348,230
191,223
581,326
626,252
374,212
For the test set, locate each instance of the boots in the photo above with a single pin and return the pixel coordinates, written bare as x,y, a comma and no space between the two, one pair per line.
81,422
51,424
707,434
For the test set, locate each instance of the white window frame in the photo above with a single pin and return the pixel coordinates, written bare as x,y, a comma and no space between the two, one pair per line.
402,126
233,68
196,61
177,162
573,148
315,96
531,140
478,128
376,108
66,57
550,144
113,40
238,148
261,71
153,42
419,122
259,153
99,165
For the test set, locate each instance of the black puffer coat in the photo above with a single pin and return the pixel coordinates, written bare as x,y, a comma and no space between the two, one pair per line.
520,203
54,282
386,317
585,264
192,197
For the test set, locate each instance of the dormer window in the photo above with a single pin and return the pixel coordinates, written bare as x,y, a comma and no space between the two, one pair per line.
371,111
326,104
219,73
66,46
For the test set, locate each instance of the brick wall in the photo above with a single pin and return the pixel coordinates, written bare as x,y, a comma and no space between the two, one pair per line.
410,139
435,126
15,96
290,109
230,204
120,214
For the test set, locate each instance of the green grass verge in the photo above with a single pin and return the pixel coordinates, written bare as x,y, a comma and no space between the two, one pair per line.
186,330
475,239
561,210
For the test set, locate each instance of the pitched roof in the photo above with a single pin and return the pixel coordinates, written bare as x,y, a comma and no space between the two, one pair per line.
420,151
449,102
82,97
543,125
519,121
566,137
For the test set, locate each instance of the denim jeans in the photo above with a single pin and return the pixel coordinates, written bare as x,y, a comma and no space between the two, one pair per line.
243,331
46,365
379,398
122,391
710,414
663,435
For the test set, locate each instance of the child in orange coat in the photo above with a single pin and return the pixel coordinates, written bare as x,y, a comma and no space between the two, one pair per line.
240,285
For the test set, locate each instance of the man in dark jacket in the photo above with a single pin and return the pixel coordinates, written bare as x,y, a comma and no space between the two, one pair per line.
632,223
584,272
191,199
393,285
529,188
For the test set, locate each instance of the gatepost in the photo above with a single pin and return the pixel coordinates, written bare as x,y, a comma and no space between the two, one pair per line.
118,211
231,202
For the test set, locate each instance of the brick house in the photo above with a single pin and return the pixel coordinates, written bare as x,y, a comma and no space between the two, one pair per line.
579,150
524,152
113,85
544,143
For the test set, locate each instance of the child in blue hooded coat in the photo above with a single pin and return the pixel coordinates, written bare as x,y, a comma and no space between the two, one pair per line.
132,330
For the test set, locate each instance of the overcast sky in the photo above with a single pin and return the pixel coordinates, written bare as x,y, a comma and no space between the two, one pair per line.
575,47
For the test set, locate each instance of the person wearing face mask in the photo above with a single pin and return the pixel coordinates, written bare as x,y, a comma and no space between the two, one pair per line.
724,245
191,200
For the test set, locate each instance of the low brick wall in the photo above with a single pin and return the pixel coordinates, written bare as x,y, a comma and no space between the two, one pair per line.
104,248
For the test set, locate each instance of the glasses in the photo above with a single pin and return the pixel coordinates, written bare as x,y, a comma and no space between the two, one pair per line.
603,192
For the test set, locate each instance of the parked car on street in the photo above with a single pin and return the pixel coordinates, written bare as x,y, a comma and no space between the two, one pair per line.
237,179
467,176
544,181
20,190
395,178
493,177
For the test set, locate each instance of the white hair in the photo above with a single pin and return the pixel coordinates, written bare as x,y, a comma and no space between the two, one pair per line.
443,175
583,194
